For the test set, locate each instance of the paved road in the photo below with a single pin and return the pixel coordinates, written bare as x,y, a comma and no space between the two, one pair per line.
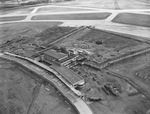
80,105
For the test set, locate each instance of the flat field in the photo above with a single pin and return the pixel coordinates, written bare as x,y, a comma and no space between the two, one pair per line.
110,104
133,19
21,92
15,11
13,30
108,40
60,9
81,16
16,89
135,69
28,36
16,18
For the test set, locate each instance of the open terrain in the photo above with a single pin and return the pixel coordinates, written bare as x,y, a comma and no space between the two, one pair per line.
30,37
22,92
110,104
60,9
28,29
17,18
102,46
13,11
117,27
81,16
133,19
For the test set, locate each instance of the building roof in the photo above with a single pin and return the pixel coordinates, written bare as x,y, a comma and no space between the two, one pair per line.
55,54
70,76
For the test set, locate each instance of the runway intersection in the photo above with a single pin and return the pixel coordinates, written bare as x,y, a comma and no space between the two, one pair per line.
110,18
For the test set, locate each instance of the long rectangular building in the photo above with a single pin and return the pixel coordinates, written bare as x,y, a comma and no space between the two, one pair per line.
74,79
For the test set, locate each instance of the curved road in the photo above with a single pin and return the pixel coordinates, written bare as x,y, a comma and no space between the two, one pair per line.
80,105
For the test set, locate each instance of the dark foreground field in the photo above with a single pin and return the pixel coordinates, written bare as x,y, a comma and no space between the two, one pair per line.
21,92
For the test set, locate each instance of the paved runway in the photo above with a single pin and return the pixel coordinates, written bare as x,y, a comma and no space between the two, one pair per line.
70,13
113,4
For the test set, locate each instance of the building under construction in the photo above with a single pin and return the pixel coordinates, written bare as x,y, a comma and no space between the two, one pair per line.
58,61
52,56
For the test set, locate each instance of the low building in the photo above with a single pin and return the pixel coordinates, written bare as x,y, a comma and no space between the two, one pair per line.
58,62
72,78
51,55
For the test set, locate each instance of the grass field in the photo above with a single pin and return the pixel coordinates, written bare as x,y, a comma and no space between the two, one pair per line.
16,18
16,11
133,19
82,16
59,9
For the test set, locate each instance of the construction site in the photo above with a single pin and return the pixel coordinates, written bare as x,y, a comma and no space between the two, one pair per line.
105,69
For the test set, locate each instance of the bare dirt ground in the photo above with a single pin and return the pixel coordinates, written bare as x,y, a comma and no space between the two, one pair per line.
51,102
124,104
135,68
21,94
10,31
16,89
45,99
104,44
27,38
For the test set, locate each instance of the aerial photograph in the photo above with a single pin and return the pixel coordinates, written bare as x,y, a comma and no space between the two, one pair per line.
74,56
